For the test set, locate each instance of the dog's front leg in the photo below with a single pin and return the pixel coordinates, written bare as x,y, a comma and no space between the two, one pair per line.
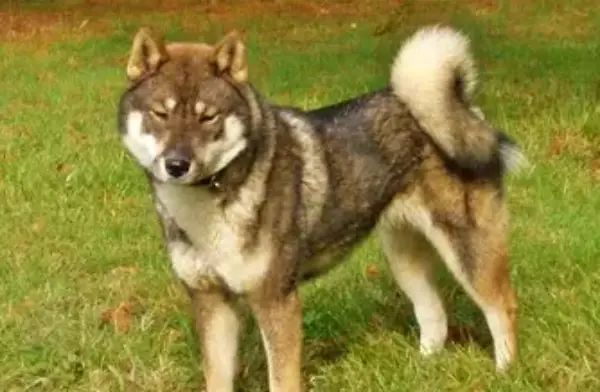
280,322
218,327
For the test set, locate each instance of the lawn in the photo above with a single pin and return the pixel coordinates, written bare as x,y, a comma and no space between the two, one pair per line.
88,301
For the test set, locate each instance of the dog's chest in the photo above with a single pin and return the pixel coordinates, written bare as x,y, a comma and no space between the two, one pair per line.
212,252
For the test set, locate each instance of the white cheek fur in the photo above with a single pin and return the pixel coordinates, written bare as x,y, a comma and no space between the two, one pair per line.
224,150
218,154
144,147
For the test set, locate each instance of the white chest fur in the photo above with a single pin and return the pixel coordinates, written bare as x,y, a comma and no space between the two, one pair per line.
216,237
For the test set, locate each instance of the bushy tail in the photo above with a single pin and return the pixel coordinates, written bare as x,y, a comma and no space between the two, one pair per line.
434,75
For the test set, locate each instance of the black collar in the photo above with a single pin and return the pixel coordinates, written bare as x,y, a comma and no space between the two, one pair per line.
213,182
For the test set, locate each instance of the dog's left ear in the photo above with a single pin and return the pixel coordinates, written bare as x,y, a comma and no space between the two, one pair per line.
230,57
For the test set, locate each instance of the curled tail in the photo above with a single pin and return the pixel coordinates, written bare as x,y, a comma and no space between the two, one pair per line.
434,75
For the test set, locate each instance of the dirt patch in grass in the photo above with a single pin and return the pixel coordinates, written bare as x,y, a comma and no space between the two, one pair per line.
250,7
563,22
595,167
573,142
120,317
525,18
43,27
26,23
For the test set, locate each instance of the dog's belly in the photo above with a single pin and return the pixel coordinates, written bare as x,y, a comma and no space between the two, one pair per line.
213,251
333,248
321,264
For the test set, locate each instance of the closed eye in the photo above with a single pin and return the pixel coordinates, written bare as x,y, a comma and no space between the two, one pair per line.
209,118
159,114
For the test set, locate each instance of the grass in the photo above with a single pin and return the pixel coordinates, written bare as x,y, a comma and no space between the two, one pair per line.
78,236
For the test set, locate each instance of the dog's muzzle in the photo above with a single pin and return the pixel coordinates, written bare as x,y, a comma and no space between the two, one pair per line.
177,168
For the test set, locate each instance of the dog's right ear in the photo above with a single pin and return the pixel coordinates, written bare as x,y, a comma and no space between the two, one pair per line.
147,53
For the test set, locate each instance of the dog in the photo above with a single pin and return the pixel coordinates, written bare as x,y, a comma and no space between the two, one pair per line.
254,198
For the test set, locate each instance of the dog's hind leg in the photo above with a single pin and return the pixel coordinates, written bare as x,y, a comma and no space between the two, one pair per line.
411,259
478,259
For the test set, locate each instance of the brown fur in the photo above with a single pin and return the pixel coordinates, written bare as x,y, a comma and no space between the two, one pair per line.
476,227
294,191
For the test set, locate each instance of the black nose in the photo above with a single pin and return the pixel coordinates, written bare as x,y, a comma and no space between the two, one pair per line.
177,167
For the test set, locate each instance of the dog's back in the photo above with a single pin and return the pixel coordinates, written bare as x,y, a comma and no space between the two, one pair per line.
422,162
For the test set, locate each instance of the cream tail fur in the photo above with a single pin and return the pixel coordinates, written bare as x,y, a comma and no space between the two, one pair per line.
434,74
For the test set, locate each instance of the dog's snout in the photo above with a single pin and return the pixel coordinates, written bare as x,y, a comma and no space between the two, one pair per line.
177,165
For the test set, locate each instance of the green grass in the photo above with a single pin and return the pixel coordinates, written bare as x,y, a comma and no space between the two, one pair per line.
78,233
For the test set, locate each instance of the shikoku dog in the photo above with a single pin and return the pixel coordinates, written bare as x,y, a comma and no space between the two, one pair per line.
254,198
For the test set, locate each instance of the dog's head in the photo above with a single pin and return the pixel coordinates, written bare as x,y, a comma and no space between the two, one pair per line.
183,117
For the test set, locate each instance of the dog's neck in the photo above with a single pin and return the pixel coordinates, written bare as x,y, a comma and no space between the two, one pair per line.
260,148
233,175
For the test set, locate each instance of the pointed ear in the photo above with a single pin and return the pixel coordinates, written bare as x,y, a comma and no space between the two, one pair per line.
147,53
230,57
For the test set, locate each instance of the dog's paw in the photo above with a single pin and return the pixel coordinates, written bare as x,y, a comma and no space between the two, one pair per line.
433,337
430,347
